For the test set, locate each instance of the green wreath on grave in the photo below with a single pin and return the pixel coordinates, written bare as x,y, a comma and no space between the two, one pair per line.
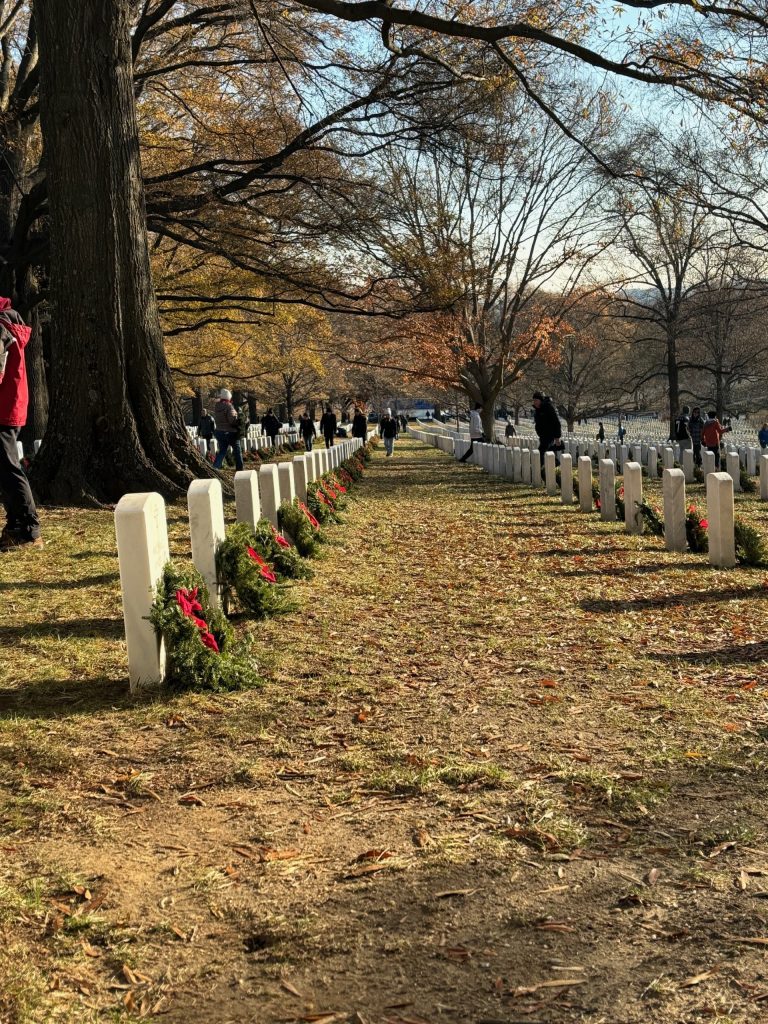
751,547
301,526
652,520
201,649
696,531
288,561
246,578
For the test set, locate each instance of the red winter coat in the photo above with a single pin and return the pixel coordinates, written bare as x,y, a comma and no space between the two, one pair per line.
14,395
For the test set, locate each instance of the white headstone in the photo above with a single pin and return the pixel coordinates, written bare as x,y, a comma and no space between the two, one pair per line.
142,551
733,466
752,453
269,486
722,544
206,529
607,491
247,503
525,466
668,458
653,463
301,476
566,479
585,483
517,465
633,496
673,488
287,484
708,462
688,465
550,473
535,468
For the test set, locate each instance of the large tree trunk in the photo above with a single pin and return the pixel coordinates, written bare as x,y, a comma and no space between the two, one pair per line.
115,424
673,378
37,413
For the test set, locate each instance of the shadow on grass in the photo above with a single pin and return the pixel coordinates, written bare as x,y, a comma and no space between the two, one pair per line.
690,597
106,629
634,570
87,581
743,654
54,698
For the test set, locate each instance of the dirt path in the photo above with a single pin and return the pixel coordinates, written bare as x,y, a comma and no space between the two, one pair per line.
508,765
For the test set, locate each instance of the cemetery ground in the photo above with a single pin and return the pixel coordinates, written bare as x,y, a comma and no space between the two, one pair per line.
507,764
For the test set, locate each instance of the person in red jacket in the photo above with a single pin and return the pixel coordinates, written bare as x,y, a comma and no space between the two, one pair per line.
23,526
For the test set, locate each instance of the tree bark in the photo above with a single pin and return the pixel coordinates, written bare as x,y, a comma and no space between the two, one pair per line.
253,413
37,412
197,406
115,423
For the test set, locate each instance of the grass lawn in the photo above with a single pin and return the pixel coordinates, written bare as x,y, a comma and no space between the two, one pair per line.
507,764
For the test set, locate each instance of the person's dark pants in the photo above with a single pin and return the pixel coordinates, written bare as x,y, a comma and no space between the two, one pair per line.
228,439
716,452
468,453
14,486
697,453
308,444
328,440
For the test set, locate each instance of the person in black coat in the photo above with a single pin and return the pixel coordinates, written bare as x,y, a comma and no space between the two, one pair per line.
359,425
271,426
546,423
328,426
307,430
206,426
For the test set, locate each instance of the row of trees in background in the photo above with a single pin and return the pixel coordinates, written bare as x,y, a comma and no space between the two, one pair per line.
258,192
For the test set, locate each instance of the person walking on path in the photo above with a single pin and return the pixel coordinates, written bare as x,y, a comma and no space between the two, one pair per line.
271,426
227,431
307,430
206,426
711,435
475,431
509,430
23,526
695,427
762,436
600,432
683,430
546,423
328,426
359,424
388,429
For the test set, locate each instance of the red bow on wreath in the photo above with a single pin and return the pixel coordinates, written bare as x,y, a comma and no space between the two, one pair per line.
189,604
266,572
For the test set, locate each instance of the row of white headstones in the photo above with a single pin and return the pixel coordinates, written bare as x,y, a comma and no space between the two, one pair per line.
142,540
523,465
647,454
251,443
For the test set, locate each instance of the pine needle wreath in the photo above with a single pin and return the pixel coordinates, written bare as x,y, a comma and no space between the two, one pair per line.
748,485
322,507
620,509
696,531
751,548
201,649
295,520
652,521
247,577
286,560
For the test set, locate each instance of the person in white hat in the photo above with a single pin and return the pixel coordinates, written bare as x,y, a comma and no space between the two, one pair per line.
388,431
226,433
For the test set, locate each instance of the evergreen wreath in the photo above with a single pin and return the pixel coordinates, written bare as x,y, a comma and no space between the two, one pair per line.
320,505
620,510
287,560
244,574
302,527
652,521
751,548
748,485
202,652
696,531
